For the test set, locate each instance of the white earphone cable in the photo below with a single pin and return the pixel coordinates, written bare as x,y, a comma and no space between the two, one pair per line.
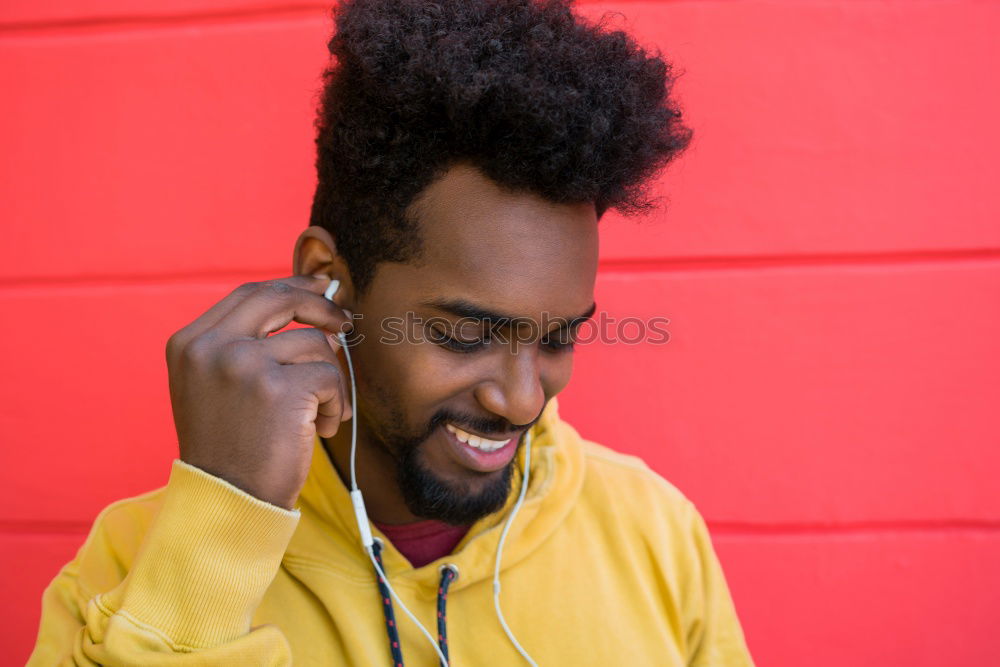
360,514
364,527
503,538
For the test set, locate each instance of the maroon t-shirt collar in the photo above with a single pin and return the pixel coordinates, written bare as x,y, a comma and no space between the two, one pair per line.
423,542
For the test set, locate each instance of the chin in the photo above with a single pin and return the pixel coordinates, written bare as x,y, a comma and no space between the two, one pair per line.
455,501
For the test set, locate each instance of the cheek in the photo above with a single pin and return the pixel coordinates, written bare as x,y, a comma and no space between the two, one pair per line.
437,376
417,375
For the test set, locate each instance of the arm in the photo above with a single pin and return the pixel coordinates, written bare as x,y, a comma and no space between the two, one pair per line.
187,598
247,407
715,636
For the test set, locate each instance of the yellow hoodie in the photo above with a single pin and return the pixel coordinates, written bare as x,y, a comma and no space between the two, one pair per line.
605,564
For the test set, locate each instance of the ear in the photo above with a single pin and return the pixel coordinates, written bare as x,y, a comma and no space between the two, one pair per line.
315,254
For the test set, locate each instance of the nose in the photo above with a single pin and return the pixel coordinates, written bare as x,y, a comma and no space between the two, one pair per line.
515,391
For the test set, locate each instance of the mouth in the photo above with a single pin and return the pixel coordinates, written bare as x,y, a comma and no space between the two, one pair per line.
478,452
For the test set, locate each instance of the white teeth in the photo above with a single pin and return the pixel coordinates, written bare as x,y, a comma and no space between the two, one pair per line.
459,433
475,441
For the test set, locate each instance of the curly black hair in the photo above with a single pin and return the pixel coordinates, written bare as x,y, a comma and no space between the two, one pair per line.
536,97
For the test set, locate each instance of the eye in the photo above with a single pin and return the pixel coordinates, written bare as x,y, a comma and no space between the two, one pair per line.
560,340
441,337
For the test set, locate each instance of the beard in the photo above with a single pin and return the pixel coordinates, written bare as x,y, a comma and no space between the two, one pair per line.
429,496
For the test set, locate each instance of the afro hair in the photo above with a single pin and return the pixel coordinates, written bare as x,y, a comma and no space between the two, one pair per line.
534,96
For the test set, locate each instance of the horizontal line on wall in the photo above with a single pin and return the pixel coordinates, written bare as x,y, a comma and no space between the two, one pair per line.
717,528
124,22
743,529
140,281
649,265
727,262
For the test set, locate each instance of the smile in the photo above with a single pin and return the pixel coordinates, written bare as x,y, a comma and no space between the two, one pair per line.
476,441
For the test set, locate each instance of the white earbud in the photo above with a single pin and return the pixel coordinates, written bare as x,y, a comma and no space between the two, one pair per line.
332,289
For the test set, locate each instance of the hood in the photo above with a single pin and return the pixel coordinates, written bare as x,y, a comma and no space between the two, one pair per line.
327,531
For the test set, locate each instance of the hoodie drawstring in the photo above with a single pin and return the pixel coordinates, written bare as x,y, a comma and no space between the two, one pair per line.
448,574
390,616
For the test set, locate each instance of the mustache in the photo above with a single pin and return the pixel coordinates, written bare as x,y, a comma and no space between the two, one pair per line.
479,424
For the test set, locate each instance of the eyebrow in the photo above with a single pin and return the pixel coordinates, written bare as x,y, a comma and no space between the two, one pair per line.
467,309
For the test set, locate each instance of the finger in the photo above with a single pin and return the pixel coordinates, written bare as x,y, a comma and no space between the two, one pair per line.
308,345
276,303
325,382
299,345
345,410
213,315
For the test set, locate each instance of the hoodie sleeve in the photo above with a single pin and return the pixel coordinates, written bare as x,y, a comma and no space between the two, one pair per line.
715,637
183,594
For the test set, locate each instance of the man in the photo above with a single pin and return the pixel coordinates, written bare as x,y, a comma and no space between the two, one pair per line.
466,151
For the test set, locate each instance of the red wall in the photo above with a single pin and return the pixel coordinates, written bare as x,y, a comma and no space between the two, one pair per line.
830,264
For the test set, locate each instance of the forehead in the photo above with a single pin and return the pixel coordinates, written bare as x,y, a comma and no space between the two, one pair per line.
511,250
